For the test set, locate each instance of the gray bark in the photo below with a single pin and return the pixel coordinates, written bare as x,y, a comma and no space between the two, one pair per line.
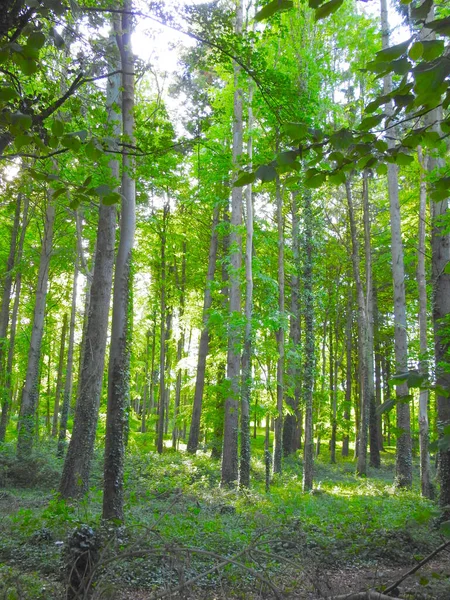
244,474
203,347
278,441
163,338
425,469
59,377
4,316
361,467
67,394
404,449
229,473
76,470
119,353
309,360
27,422
370,374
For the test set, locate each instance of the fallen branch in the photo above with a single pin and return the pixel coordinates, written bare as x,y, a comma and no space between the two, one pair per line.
370,595
392,587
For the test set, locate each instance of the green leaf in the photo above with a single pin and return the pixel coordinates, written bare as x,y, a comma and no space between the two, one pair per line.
370,122
71,142
59,192
381,145
103,190
386,406
398,378
382,169
342,139
57,127
272,8
393,52
296,131
266,173
287,158
28,66
314,178
441,26
416,51
21,121
403,159
327,9
111,199
22,140
244,179
8,93
432,49
338,177
36,40
421,11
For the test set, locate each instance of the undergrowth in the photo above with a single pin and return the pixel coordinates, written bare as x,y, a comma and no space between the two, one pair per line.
174,502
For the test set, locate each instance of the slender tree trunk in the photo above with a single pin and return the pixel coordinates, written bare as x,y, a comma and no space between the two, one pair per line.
348,371
180,351
309,364
14,258
67,394
119,354
425,469
278,441
76,470
59,378
404,451
333,397
203,347
370,375
244,475
231,424
377,349
162,350
26,429
361,467
168,367
148,335
291,438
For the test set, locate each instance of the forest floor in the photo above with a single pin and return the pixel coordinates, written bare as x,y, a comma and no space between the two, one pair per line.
183,530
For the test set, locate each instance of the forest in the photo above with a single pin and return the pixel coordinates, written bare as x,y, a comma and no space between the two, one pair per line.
225,299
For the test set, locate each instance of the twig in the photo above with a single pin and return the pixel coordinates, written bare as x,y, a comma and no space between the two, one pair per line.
392,587
370,595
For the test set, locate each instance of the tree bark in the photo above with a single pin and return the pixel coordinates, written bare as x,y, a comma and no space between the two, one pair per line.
229,473
162,346
59,377
404,449
361,466
76,470
278,441
370,375
69,367
4,316
244,475
203,347
119,354
309,364
26,428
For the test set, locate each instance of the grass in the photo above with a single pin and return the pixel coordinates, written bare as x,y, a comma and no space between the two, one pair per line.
174,501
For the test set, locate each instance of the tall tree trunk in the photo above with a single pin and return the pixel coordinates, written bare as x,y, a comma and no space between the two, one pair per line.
348,373
332,359
370,375
59,377
291,438
425,469
67,394
180,351
278,441
119,354
404,450
26,429
163,337
76,470
309,360
203,347
377,349
244,475
440,257
231,424
5,375
361,467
